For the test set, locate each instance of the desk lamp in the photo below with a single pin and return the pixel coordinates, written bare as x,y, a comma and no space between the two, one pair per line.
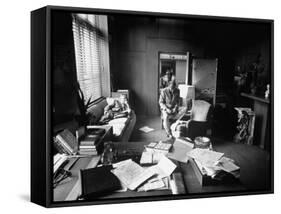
187,92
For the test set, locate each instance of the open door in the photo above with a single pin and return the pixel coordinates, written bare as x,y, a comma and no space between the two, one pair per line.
204,78
177,64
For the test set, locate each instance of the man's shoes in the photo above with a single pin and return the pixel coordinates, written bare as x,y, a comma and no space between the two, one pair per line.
169,136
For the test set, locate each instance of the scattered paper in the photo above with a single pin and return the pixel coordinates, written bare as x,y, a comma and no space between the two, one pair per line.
160,147
59,159
131,174
180,150
146,158
205,157
210,171
119,164
164,168
227,165
151,145
146,129
151,157
152,185
157,156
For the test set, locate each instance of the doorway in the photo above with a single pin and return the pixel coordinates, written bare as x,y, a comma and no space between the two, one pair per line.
178,66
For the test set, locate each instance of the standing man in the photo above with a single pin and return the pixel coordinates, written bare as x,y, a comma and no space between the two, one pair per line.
169,104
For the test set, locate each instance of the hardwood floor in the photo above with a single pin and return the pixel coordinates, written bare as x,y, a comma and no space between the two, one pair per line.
153,122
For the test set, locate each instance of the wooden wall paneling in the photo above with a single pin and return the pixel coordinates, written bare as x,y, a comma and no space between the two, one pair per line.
154,46
131,75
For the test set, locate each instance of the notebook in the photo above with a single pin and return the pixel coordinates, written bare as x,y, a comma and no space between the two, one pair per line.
98,181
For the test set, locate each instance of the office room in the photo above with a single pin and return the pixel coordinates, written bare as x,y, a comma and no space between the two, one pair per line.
136,94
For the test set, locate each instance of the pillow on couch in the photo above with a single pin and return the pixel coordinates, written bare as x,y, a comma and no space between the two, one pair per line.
118,125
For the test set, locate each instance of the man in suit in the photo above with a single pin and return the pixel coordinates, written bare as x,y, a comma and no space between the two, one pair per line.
164,80
169,105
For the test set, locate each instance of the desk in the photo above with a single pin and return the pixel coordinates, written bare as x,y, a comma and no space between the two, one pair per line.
70,190
254,163
262,129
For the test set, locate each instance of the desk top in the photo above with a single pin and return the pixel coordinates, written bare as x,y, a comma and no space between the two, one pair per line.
254,163
70,190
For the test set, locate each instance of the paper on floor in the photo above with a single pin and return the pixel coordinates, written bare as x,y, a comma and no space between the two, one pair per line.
146,129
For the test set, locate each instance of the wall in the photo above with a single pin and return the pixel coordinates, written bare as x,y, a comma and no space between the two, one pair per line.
248,54
137,41
135,46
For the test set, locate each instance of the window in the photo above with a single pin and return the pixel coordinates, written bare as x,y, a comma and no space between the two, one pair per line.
91,53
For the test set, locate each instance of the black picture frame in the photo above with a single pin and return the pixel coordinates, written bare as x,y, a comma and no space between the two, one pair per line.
41,105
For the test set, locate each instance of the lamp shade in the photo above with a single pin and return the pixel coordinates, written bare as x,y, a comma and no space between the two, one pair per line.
187,91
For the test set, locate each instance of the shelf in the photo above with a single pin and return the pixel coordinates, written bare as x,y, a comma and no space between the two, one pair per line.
253,97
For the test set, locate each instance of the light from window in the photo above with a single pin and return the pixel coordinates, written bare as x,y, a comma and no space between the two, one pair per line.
87,53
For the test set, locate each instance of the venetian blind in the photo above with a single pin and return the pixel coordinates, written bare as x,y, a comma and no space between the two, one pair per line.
87,53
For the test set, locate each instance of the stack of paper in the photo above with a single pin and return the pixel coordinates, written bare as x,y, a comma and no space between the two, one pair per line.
211,162
161,147
150,157
205,157
228,165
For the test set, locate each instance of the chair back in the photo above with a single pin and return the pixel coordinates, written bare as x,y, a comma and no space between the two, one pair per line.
200,109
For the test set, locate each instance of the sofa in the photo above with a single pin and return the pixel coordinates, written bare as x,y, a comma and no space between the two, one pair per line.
122,127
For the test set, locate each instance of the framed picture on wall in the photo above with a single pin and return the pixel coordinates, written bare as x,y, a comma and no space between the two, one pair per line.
142,106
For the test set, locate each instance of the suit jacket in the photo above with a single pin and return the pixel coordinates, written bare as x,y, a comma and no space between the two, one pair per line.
169,99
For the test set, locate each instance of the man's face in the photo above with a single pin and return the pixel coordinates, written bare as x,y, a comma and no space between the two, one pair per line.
172,86
168,73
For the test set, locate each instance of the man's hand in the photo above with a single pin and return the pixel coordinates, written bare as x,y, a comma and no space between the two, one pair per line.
169,111
174,110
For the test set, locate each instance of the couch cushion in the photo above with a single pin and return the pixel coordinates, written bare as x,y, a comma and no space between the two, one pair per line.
97,110
118,125
110,100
